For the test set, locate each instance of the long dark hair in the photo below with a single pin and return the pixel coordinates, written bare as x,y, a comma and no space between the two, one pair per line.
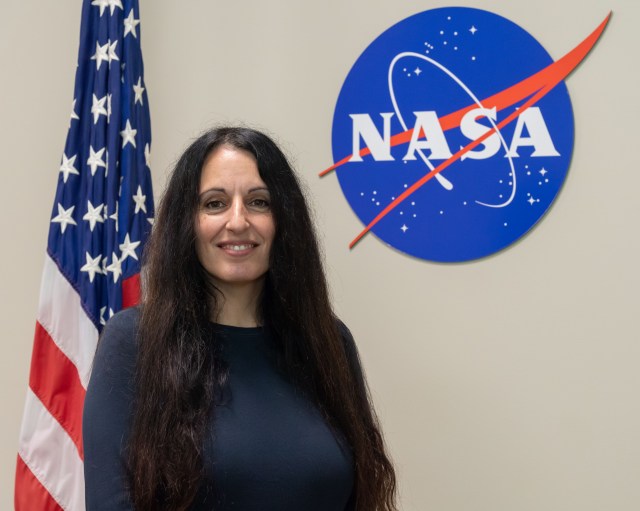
177,372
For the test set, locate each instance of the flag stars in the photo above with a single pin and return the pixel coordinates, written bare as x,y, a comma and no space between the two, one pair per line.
95,159
147,155
140,199
130,24
98,108
128,248
74,115
93,215
113,4
115,267
108,107
102,53
112,51
114,217
92,266
103,4
138,89
128,135
68,167
64,217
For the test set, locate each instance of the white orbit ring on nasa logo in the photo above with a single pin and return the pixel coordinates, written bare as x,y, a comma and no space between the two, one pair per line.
441,179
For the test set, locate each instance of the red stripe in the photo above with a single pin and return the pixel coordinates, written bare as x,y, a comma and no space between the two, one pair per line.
55,380
29,493
131,291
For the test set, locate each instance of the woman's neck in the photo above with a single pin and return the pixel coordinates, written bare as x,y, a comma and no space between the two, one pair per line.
238,304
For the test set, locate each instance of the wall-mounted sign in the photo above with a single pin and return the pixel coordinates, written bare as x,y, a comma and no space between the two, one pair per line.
453,133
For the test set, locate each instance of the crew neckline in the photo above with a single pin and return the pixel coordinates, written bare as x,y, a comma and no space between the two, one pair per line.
245,331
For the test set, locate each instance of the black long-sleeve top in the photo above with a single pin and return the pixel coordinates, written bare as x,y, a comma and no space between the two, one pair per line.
268,448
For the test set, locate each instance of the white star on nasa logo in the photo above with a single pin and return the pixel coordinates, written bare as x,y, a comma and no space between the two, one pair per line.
128,135
68,167
140,199
92,266
130,24
404,228
93,215
64,217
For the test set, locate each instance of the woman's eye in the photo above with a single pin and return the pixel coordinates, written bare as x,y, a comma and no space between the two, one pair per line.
214,204
260,203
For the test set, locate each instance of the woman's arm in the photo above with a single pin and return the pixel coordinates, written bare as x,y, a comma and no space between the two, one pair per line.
107,410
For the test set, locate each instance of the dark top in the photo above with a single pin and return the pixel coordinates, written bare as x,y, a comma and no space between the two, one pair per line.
268,448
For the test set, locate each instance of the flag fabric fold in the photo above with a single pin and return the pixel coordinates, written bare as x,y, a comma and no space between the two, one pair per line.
102,215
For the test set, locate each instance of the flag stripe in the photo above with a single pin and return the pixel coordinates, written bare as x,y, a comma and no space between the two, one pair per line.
131,291
61,314
55,380
30,494
51,455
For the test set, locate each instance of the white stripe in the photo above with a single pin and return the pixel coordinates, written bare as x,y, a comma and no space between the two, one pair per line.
51,455
61,314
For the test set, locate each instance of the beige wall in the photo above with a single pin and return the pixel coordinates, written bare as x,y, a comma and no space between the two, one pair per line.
506,384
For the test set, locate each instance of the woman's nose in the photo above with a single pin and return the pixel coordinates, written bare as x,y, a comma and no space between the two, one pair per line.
237,217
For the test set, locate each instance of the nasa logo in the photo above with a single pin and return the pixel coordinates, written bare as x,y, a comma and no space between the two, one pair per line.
453,133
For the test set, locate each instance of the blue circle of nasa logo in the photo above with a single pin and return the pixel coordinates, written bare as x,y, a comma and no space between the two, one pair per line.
445,148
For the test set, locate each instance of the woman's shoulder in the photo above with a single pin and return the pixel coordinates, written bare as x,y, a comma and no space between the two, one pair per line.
118,340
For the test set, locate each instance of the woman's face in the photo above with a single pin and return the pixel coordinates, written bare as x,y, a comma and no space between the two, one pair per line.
234,225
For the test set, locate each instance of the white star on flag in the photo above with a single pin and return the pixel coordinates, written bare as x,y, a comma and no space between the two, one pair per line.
64,217
92,266
74,115
128,135
102,4
95,159
114,216
108,107
138,89
115,3
130,24
112,51
147,155
139,199
68,167
115,267
128,248
97,107
101,54
93,215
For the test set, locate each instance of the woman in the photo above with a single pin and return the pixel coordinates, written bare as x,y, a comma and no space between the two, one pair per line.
233,385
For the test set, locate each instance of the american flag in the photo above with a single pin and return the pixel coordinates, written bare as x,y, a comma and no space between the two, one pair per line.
102,215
